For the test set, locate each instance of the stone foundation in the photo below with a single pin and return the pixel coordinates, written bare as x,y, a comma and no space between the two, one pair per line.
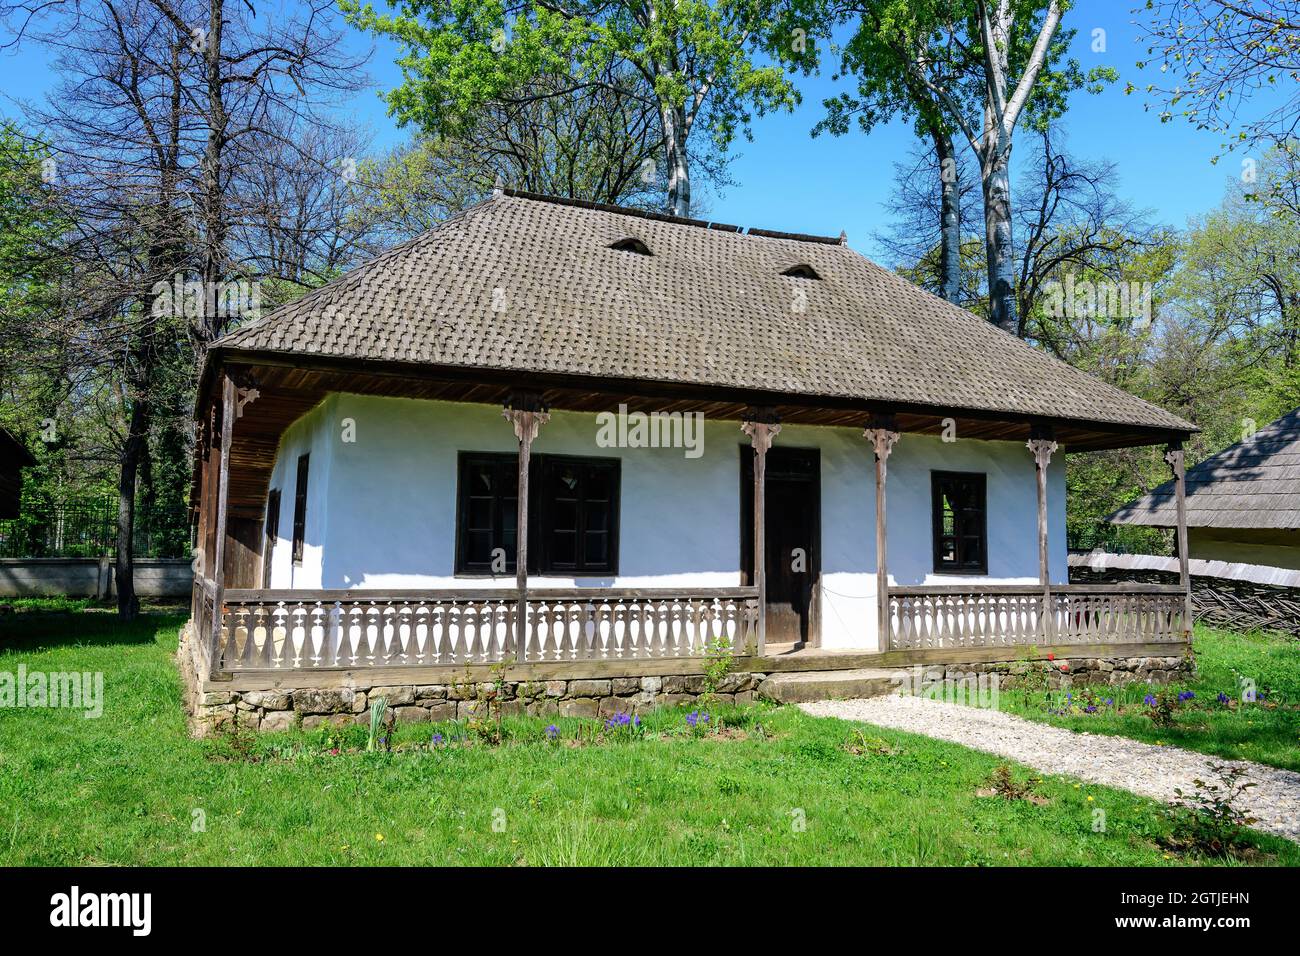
409,703
1077,671
213,707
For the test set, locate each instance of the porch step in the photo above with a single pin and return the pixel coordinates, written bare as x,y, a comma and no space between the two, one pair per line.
800,687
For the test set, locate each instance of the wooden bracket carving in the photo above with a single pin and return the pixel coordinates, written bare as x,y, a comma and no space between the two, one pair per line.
242,397
527,413
882,441
1043,448
526,423
761,434
882,432
1174,458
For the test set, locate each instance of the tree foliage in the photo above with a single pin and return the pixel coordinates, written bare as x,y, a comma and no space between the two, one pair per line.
694,67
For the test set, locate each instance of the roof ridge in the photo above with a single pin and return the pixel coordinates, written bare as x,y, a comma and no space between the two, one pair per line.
840,240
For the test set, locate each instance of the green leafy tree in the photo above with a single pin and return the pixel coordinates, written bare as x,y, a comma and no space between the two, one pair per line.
696,63
1231,66
971,70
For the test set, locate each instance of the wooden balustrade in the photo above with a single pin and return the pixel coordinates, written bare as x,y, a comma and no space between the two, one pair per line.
283,630
993,615
201,601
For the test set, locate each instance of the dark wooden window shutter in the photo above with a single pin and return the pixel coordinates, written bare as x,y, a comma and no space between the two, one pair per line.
272,532
300,508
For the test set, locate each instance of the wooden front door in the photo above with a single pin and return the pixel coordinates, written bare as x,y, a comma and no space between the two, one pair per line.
792,519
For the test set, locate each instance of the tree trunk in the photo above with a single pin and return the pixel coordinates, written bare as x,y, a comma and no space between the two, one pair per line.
996,186
679,174
128,605
213,207
949,218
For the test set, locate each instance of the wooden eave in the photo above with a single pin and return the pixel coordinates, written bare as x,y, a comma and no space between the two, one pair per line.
291,385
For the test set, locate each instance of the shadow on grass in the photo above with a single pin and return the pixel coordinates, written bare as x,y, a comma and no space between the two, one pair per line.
36,624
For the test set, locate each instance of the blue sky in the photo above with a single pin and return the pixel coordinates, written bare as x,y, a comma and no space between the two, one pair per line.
786,180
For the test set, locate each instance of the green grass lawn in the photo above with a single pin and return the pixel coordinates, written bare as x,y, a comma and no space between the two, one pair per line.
127,788
1267,730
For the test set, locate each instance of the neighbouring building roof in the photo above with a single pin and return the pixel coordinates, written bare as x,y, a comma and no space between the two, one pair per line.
530,284
1252,484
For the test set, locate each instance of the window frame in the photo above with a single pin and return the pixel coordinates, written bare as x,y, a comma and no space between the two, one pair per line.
300,508
460,566
538,509
937,480
540,515
270,534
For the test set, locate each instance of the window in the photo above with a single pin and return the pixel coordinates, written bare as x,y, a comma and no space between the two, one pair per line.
579,505
631,244
486,511
272,533
802,271
300,509
572,514
960,529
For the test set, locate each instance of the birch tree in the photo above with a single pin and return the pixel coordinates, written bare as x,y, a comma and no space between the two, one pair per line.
976,68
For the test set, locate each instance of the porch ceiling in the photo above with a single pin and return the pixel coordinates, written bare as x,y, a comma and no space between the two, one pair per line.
289,387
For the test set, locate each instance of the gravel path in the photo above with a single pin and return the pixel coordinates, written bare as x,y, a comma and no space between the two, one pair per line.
1143,769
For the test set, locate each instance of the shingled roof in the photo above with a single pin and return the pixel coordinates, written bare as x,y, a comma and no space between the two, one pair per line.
526,283
1252,484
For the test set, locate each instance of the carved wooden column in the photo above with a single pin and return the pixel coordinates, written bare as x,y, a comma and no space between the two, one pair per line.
526,412
1175,459
228,395
882,432
1041,444
761,426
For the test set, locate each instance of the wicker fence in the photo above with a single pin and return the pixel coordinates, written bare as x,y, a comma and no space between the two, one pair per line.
1219,600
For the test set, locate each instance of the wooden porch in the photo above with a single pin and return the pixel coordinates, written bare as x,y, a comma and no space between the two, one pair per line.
245,632
269,633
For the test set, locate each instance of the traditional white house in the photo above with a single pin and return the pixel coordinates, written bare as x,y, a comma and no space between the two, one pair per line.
677,397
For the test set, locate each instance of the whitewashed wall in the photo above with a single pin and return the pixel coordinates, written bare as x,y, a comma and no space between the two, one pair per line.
381,509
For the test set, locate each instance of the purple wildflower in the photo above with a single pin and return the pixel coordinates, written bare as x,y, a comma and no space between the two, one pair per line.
436,740
1222,698
552,732
621,720
1149,700
1187,695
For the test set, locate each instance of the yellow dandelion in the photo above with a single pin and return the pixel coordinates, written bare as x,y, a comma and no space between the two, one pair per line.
379,837
1090,799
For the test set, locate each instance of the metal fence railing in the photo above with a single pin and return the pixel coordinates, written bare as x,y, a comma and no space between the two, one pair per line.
88,529
1120,539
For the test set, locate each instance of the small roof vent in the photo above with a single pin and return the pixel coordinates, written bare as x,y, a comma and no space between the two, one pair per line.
632,244
802,271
